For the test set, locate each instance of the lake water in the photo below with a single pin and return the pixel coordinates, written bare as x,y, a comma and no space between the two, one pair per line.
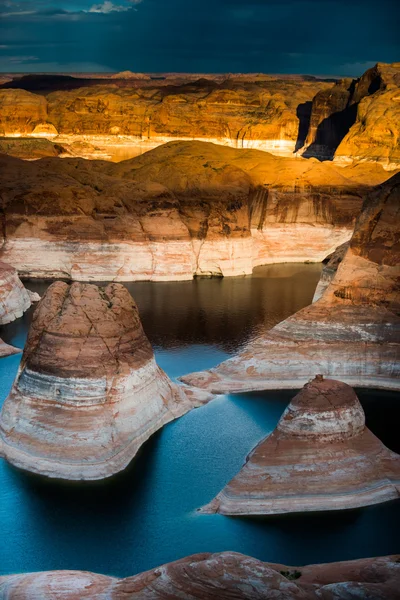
147,515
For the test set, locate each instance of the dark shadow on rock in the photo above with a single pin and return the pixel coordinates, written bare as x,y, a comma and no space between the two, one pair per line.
303,113
330,133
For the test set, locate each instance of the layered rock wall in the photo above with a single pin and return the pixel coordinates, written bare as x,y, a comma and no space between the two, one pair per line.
351,333
182,210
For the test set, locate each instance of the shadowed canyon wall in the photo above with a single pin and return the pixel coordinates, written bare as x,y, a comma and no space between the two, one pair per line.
183,209
351,333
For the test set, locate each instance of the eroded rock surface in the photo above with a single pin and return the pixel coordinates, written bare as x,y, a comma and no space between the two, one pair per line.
329,270
352,333
7,350
88,392
358,120
242,111
321,456
183,209
14,298
224,576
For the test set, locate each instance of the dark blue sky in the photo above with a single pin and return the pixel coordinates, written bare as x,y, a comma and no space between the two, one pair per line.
325,37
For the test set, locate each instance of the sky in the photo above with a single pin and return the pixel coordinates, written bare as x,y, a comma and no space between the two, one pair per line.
317,37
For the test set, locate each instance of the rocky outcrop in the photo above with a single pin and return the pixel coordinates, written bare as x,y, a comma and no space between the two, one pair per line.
88,392
14,298
321,456
352,333
30,148
375,136
266,113
358,119
184,209
329,270
6,350
21,112
224,576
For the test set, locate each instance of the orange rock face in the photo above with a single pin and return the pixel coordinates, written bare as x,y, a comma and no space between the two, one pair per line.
358,119
260,112
351,333
88,392
183,209
224,576
320,457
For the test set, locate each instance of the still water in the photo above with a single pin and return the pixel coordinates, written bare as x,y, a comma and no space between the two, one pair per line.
147,515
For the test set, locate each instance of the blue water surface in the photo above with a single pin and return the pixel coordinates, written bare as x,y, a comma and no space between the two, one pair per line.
147,515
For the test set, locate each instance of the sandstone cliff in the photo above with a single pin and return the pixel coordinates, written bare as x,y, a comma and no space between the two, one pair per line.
320,457
268,113
88,392
183,209
352,333
224,576
358,119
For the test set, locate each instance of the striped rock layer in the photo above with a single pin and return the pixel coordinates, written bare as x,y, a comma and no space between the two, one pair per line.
351,333
224,576
88,392
321,456
182,210
14,298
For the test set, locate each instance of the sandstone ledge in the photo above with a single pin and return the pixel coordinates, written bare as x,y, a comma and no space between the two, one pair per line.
224,576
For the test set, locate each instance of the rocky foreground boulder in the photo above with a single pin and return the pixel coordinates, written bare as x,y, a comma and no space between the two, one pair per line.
351,333
321,456
181,210
224,576
88,392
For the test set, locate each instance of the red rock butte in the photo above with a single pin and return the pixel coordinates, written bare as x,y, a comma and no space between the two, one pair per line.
88,392
321,456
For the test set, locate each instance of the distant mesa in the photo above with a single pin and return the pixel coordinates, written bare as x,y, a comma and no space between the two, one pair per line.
88,392
130,75
321,456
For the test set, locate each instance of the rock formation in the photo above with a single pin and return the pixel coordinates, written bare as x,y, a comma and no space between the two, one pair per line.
351,333
321,456
358,119
264,113
7,350
329,270
183,209
224,576
14,298
88,392
30,148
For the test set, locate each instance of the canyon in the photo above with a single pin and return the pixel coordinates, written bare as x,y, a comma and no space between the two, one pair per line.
346,120
321,456
223,576
182,210
350,333
88,392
